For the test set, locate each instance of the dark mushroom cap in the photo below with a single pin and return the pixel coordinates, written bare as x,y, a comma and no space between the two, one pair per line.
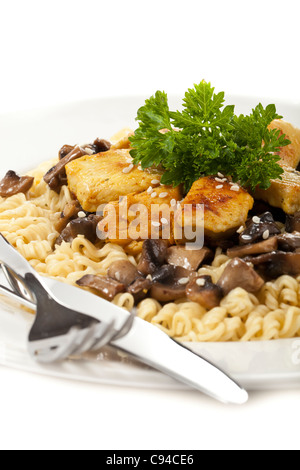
139,288
202,290
253,249
292,223
86,226
275,264
104,286
153,256
238,273
70,211
255,230
189,259
169,283
56,176
13,184
65,150
101,145
123,271
289,241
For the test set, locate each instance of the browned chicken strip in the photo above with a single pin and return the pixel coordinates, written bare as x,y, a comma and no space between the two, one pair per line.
226,206
105,177
290,154
284,193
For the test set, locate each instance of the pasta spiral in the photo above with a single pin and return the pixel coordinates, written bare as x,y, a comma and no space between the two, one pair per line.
28,221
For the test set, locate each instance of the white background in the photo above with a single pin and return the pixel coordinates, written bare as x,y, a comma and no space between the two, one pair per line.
62,51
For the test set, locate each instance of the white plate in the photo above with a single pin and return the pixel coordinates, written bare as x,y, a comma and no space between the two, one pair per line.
27,139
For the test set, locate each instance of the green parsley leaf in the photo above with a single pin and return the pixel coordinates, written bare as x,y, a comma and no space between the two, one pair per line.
205,138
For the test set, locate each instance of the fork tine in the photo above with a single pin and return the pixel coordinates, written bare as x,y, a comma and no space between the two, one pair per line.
61,347
97,332
100,342
125,329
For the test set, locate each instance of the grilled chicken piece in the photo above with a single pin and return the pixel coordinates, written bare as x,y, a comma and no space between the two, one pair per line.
100,179
290,154
121,139
225,210
283,193
140,216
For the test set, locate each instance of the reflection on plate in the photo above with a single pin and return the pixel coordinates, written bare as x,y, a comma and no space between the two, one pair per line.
256,365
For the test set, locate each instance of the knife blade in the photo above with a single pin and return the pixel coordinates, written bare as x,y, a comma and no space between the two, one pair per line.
153,347
150,345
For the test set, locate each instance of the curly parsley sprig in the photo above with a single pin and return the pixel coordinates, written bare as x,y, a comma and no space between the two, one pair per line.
207,137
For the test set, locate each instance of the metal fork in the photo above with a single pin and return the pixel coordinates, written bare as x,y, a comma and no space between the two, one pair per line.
54,336
58,331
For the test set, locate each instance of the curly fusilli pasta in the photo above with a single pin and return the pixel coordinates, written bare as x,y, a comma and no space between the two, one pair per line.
28,221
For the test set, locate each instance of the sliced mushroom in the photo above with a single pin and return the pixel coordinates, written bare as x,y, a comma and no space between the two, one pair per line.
292,223
257,229
169,283
100,145
65,150
70,211
204,292
140,288
13,184
106,287
289,241
239,273
253,249
123,271
56,176
188,259
86,226
65,236
153,256
169,274
277,263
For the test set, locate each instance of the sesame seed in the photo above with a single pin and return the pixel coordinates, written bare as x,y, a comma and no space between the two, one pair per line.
150,190
234,188
256,219
163,195
140,168
164,221
219,180
183,281
241,229
220,175
154,195
128,169
156,224
81,214
155,182
220,186
200,282
173,202
149,277
266,234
